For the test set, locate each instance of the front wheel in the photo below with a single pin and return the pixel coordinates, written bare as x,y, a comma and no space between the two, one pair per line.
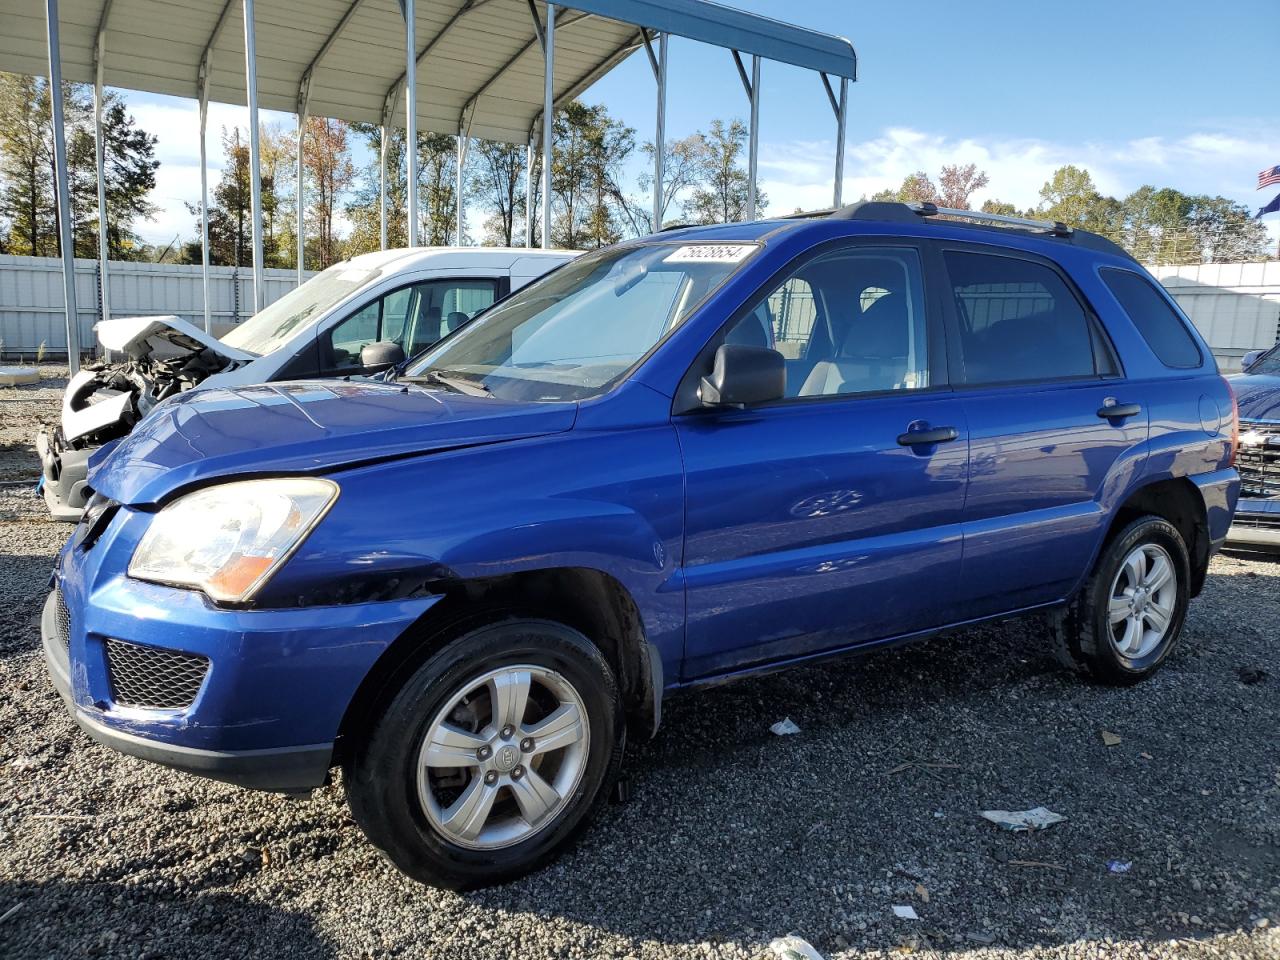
491,757
1126,621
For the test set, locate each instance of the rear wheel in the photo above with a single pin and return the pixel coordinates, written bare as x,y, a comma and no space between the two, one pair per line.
491,757
1126,621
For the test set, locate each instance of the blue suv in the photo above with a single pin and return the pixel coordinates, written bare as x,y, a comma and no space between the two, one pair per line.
707,453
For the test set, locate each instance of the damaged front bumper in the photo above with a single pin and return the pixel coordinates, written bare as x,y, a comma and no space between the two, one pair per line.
64,476
250,697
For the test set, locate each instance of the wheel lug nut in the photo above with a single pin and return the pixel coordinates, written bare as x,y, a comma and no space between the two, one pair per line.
507,731
526,744
484,753
517,773
491,777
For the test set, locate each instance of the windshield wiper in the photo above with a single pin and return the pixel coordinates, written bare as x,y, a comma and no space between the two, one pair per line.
470,388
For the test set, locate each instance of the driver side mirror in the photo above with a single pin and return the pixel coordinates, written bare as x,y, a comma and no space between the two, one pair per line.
744,375
1250,359
380,355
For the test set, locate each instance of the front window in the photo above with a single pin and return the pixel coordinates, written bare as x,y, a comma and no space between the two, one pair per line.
269,328
576,332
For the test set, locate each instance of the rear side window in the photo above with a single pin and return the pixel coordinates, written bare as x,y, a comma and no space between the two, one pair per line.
1020,322
1160,326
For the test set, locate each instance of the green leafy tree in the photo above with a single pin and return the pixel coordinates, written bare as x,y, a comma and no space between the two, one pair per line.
28,204
497,183
591,148
363,209
721,193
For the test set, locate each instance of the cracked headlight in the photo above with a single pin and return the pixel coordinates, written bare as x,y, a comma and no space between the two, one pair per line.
228,539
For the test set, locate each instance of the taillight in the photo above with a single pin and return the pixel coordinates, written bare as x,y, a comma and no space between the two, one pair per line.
1235,422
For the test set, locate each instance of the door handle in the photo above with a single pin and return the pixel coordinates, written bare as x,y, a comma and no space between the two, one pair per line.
1118,411
923,438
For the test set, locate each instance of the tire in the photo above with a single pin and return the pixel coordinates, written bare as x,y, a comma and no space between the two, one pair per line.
408,817
1085,638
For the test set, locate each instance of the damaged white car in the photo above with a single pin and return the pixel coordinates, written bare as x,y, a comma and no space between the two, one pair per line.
357,318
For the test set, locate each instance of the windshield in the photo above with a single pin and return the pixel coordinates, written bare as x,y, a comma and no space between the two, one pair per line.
269,328
577,331
1269,362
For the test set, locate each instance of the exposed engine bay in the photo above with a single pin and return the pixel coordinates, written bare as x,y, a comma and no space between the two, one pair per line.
149,360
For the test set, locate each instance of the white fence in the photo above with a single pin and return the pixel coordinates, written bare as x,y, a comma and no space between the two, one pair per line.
32,315
1236,306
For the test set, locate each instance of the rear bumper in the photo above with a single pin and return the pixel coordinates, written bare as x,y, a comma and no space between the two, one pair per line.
1256,525
280,769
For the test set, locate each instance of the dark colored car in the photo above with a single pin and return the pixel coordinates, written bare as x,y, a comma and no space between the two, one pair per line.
1257,522
697,456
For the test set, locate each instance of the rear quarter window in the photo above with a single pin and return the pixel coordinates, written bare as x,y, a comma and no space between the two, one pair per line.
1165,332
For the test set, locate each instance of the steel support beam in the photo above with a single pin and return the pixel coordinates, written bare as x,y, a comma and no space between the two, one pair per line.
530,154
659,65
452,22
384,146
548,124
65,242
753,140
464,143
202,96
411,117
841,114
300,213
99,159
539,32
255,161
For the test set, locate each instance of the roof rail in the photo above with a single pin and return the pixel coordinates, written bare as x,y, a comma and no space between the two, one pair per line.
1054,227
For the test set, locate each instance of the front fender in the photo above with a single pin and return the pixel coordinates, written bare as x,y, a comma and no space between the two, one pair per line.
610,501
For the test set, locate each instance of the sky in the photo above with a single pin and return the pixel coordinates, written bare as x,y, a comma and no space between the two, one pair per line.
1172,93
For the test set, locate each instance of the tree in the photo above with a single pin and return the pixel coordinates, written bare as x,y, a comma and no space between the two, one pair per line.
363,210
437,178
1226,232
721,196
683,163
916,188
957,184
498,184
590,150
26,173
277,153
28,204
329,172
999,207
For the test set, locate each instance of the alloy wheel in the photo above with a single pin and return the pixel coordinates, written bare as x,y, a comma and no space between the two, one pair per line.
503,757
1143,598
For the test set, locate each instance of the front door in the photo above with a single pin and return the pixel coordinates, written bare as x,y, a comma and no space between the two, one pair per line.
820,521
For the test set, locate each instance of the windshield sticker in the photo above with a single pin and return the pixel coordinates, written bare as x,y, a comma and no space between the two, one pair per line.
711,253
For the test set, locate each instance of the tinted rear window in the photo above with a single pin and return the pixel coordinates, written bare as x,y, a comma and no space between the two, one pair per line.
1160,326
1018,321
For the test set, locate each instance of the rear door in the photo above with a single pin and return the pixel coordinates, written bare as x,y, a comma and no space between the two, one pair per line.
1049,415
818,522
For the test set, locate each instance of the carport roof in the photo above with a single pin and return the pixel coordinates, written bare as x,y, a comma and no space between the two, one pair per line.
481,54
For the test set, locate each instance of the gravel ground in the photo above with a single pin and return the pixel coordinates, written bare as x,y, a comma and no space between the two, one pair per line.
733,836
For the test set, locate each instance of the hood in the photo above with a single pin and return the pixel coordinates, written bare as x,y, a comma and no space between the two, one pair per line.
137,337
305,427
1258,395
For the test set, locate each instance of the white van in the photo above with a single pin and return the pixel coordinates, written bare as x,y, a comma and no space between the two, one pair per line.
357,318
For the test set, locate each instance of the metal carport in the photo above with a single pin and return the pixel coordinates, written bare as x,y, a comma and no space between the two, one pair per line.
471,68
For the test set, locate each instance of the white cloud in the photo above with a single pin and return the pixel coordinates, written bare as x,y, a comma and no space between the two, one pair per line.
799,174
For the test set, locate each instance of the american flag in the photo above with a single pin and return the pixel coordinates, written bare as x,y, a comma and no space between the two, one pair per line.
1269,176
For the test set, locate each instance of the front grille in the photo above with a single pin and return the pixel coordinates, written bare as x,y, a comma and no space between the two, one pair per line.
1258,459
61,618
1257,521
152,678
